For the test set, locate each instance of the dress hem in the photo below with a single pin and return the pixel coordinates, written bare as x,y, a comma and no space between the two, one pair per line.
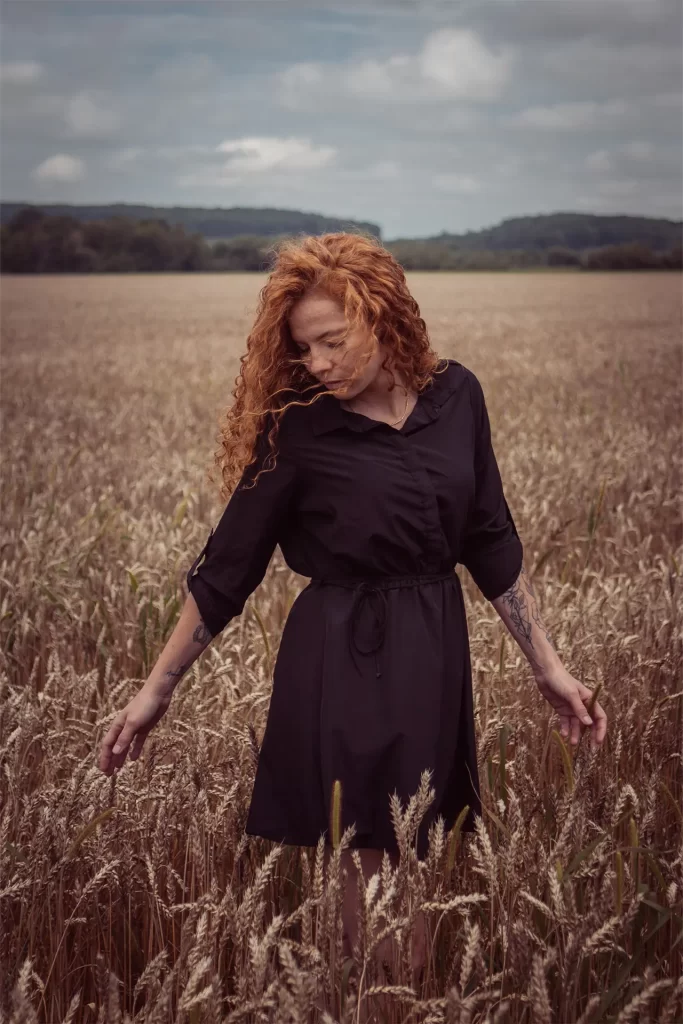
276,837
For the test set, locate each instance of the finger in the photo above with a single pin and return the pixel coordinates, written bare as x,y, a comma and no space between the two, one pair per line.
124,740
107,744
576,730
566,727
579,709
136,746
600,723
589,697
112,735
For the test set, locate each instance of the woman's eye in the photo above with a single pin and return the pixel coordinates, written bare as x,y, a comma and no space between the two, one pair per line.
330,344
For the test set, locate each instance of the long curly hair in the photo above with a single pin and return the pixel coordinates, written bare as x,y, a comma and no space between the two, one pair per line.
368,282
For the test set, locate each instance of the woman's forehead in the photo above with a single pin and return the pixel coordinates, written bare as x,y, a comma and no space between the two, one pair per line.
313,314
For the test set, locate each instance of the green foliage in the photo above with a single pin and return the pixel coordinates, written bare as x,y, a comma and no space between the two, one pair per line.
633,256
575,231
35,241
561,256
211,224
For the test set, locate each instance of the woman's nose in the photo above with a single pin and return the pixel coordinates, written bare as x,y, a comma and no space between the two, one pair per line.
320,364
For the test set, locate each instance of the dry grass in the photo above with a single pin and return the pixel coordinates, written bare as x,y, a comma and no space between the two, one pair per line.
138,897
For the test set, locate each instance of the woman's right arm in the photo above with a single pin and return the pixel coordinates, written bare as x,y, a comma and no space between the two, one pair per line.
236,556
132,725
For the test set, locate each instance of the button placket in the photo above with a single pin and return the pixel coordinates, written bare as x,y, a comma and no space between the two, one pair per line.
437,541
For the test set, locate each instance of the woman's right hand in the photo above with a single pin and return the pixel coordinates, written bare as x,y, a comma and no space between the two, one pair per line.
132,725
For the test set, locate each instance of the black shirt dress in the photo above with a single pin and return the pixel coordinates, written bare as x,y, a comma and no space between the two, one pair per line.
372,682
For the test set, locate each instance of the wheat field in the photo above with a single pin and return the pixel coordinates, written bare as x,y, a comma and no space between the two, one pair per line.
138,897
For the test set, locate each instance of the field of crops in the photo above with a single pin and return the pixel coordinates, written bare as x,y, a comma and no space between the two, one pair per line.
138,897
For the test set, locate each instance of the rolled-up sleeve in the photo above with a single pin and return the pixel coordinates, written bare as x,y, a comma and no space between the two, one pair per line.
238,551
492,550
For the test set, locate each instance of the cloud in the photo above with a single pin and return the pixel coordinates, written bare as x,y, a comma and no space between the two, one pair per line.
380,171
85,118
188,71
626,197
251,157
376,79
568,117
603,161
123,159
464,184
130,158
618,189
668,100
20,72
633,69
452,64
54,117
535,26
640,150
302,76
254,155
458,60
60,167
599,161
384,169
182,152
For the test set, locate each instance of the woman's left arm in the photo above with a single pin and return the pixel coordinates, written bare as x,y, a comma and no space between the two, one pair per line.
518,608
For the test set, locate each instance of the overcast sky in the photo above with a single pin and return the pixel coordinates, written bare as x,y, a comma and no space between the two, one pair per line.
419,117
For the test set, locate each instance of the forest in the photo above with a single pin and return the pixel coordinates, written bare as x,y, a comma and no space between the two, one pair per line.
36,240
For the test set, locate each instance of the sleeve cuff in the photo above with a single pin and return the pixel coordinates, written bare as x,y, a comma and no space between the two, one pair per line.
495,570
209,607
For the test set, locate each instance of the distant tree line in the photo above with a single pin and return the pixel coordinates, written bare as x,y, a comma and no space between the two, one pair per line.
430,255
33,242
212,223
576,231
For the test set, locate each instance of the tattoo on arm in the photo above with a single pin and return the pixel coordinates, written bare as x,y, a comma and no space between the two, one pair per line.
515,604
202,634
518,608
176,673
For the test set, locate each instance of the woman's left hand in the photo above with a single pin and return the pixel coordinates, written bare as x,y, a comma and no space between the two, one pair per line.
569,698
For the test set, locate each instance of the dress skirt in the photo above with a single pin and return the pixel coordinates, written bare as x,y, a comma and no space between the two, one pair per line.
371,694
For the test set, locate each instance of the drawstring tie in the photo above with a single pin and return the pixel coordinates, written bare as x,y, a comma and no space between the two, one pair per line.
372,590
366,591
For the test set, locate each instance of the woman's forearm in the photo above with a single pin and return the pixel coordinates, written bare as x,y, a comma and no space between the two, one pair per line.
518,608
187,641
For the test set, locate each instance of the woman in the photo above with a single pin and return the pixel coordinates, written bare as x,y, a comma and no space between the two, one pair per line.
382,479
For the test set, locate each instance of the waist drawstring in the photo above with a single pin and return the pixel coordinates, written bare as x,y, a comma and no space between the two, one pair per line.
372,589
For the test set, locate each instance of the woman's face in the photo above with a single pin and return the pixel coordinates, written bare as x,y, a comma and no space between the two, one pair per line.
317,325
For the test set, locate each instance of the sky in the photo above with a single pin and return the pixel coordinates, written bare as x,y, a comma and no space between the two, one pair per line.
417,117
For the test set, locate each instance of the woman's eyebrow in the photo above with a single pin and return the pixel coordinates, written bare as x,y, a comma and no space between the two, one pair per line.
332,330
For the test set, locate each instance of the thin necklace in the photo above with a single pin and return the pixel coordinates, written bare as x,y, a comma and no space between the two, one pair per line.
404,411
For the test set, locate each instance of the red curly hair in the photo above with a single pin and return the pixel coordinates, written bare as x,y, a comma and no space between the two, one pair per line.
370,285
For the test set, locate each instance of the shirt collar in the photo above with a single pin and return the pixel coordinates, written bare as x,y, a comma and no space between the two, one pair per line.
329,414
